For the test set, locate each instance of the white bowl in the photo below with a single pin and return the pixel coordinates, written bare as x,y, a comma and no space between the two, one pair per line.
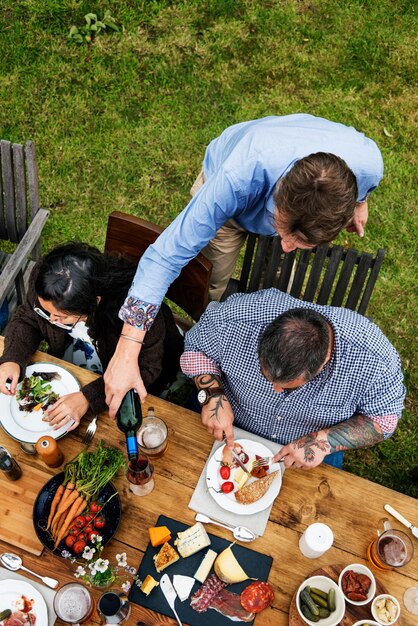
358,568
325,584
369,622
394,600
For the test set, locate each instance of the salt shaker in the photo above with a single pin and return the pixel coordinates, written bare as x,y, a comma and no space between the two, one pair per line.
9,466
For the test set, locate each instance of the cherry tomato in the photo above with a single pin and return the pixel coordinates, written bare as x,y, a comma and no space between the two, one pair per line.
225,472
92,534
99,522
95,507
70,540
87,529
227,487
79,546
74,530
80,521
89,517
82,536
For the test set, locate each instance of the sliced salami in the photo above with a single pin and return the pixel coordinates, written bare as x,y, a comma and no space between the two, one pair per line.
229,605
203,597
257,596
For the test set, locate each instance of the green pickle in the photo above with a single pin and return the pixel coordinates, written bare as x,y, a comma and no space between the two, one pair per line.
319,600
307,613
318,592
331,600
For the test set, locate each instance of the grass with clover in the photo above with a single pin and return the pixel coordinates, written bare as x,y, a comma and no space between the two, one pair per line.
122,123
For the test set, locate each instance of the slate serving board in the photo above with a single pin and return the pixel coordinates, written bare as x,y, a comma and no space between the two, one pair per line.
254,564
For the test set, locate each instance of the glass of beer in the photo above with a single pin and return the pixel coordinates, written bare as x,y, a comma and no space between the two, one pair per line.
73,603
391,549
153,435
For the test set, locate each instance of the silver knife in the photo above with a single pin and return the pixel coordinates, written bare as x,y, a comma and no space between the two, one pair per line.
401,519
170,594
238,460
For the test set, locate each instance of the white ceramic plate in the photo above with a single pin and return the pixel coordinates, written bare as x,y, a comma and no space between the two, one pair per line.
27,426
11,592
227,500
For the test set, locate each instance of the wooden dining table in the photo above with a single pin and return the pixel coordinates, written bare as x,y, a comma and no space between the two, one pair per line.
351,506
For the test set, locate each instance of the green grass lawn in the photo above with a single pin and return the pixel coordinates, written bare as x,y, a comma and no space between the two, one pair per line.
123,123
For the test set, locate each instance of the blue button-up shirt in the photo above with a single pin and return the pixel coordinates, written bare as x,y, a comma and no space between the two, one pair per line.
242,167
363,375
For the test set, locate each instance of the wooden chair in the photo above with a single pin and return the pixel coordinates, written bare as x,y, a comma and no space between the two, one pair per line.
131,236
326,275
21,219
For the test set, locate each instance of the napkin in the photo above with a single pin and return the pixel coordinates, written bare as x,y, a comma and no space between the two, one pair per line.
47,593
202,502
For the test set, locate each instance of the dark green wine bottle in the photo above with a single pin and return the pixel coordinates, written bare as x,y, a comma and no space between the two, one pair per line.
129,419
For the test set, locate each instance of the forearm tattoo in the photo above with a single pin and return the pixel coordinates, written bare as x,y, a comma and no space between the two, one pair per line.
206,380
357,432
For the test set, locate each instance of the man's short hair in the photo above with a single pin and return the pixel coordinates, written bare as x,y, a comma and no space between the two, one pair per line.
317,197
294,345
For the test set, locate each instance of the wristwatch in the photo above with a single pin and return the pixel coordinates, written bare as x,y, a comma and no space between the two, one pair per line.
206,394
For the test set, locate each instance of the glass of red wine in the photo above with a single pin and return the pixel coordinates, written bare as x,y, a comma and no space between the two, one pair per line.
140,475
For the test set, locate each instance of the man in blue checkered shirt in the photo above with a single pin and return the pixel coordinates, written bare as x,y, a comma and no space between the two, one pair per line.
317,379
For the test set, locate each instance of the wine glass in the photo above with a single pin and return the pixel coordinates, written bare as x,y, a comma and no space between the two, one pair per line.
410,600
140,475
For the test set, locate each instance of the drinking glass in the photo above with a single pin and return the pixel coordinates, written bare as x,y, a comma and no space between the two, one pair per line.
113,607
153,436
73,604
140,475
410,600
391,549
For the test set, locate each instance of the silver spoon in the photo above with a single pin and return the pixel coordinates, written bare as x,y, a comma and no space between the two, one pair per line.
14,562
241,533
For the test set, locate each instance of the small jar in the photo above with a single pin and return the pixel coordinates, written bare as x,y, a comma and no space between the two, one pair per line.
49,451
9,466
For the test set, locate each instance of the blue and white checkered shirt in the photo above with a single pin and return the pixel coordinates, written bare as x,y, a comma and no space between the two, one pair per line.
363,375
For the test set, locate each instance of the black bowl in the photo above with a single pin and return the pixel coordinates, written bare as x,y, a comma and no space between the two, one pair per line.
112,512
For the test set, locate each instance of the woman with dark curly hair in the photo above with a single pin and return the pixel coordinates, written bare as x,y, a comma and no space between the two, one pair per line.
73,301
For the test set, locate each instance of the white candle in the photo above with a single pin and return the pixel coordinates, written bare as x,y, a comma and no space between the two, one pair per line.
316,540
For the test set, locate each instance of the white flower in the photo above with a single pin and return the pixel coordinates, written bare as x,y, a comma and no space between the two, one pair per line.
132,571
121,559
65,554
96,538
80,572
126,586
93,570
102,565
88,553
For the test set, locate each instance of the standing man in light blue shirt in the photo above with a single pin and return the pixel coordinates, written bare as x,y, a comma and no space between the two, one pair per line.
298,176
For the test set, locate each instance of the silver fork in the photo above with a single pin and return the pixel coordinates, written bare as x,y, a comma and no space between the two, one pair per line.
91,430
266,460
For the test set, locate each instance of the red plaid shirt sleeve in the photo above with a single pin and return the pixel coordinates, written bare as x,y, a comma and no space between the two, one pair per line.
196,363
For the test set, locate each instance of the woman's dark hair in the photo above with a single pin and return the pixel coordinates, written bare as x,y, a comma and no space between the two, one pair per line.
71,277
317,197
294,345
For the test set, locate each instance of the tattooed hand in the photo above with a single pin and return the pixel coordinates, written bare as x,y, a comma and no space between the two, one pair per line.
218,417
306,452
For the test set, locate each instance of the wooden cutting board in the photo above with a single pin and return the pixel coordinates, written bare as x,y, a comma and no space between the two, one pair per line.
353,613
18,496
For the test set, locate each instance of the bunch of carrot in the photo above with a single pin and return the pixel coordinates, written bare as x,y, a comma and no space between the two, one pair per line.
84,478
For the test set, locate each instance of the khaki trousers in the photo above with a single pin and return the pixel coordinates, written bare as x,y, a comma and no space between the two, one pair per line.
223,250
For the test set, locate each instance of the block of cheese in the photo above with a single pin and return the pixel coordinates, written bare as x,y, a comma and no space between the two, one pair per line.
192,540
159,535
183,586
240,477
204,568
148,584
166,556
